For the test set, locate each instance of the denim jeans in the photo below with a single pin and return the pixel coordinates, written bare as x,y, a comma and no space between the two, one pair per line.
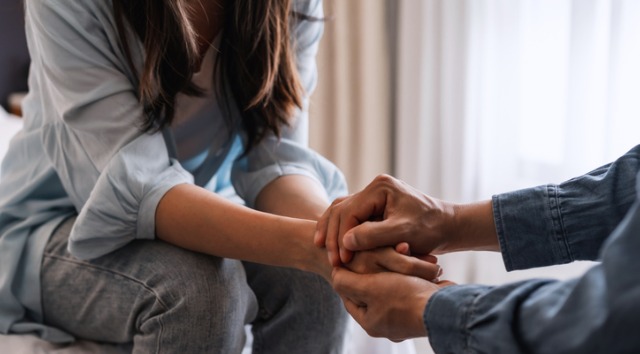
163,299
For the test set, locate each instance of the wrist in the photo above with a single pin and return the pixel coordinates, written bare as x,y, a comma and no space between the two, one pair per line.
309,257
472,228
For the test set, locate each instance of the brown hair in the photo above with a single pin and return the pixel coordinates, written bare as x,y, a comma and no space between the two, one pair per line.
256,60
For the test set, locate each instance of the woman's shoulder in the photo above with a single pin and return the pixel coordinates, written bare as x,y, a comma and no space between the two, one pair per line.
308,7
67,24
55,15
65,7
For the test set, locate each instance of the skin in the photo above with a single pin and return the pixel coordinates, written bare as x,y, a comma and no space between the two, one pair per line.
196,219
207,21
388,305
389,212
280,231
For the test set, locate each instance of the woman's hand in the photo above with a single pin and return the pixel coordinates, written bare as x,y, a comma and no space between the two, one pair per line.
388,259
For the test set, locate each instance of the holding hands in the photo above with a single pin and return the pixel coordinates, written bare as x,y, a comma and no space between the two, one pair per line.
393,226
386,213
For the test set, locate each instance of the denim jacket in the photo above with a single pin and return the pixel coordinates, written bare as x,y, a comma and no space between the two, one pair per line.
592,217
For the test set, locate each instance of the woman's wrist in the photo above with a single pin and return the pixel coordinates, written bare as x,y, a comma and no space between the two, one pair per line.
308,257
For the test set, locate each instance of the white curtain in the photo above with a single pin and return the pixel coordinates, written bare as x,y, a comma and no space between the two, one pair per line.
351,108
351,113
496,95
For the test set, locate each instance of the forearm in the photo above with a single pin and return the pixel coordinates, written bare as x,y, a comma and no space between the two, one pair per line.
595,313
294,196
193,218
533,316
555,224
472,228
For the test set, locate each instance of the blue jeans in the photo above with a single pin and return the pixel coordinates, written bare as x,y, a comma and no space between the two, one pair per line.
164,299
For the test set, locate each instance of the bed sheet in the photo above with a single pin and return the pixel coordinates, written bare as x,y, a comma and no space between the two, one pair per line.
30,344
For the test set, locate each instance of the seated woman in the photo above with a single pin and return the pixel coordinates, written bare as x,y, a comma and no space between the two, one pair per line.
114,224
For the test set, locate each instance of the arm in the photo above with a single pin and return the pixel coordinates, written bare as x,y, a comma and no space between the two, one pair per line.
195,219
284,176
555,224
294,196
388,212
83,108
596,313
538,226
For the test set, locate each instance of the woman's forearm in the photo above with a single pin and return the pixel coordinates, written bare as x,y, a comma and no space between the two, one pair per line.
296,196
196,219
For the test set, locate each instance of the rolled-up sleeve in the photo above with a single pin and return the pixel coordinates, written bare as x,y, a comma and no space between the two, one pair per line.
556,224
113,173
593,216
596,313
291,155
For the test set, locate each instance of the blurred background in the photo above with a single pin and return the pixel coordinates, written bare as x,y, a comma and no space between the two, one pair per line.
468,98
461,98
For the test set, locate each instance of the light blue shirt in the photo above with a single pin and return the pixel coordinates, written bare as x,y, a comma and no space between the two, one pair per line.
81,151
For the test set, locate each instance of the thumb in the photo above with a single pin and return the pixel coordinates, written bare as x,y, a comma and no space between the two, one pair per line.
349,284
372,234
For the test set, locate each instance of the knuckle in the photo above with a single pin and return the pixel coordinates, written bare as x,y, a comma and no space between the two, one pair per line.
385,179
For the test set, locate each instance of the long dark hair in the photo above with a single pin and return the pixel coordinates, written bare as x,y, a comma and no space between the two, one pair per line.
256,60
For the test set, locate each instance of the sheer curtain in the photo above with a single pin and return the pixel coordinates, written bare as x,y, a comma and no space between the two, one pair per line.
496,95
351,108
351,112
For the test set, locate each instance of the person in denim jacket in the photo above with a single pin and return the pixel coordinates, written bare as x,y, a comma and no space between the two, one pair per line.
592,217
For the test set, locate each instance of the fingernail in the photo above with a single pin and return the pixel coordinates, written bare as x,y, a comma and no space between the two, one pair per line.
440,271
330,255
343,256
316,237
349,240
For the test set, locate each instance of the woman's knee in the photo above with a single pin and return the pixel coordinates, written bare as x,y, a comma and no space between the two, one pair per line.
208,289
295,294
201,301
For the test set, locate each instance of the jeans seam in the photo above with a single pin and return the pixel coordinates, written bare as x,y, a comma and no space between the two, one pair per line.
160,333
107,270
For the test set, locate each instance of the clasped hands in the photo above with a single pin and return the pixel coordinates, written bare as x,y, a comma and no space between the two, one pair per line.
381,243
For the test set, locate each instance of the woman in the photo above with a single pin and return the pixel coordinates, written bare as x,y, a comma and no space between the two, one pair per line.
137,111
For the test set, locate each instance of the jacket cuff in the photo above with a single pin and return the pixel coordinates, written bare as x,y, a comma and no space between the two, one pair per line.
529,227
447,317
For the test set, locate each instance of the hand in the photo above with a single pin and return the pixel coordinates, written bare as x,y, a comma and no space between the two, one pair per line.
403,213
386,304
388,259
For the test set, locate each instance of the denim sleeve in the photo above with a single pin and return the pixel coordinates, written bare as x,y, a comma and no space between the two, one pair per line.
596,313
291,154
556,224
88,119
